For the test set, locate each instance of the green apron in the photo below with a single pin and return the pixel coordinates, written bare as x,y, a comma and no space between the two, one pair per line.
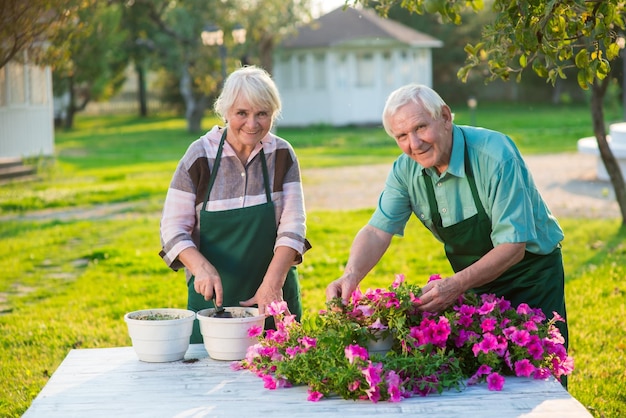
239,243
537,280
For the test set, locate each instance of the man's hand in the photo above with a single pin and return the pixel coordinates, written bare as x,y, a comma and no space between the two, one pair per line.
437,295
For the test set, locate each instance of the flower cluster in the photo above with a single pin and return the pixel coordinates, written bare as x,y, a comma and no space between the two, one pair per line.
478,339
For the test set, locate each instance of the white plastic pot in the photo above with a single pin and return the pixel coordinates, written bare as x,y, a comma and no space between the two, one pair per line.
227,338
160,340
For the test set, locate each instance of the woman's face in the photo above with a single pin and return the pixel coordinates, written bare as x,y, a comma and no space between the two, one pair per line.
426,140
247,125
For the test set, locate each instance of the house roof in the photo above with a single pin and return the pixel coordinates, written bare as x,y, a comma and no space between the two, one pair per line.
349,24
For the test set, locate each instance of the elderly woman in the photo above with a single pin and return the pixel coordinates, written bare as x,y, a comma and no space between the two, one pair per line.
234,214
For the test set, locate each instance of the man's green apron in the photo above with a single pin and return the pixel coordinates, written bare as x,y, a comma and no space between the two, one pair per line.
240,245
537,280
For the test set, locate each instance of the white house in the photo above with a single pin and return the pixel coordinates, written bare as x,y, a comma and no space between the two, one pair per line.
339,69
26,111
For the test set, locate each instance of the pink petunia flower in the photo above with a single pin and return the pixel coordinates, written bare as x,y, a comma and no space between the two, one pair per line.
495,382
524,309
399,279
307,343
255,331
354,386
277,308
524,368
488,324
354,351
393,386
520,337
434,277
314,396
372,373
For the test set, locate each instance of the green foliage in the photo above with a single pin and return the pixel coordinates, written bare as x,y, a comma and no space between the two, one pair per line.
95,60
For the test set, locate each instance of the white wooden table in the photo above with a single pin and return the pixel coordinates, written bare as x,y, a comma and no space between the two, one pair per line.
113,383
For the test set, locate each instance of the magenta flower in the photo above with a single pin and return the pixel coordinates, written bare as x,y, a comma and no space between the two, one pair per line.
269,382
277,308
437,333
393,387
524,309
398,281
495,382
255,331
489,342
372,373
307,343
434,277
354,386
524,368
520,337
365,310
487,307
354,352
535,350
488,324
314,396
373,394
329,354
293,351
378,325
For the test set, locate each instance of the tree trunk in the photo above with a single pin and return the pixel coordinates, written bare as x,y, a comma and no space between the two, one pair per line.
71,107
598,90
266,48
194,107
141,90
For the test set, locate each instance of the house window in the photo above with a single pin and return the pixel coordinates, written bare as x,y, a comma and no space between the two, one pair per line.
302,72
17,91
388,68
405,67
3,89
319,71
286,72
342,72
38,82
365,69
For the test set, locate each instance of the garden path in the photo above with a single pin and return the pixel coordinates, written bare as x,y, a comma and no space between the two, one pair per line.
567,181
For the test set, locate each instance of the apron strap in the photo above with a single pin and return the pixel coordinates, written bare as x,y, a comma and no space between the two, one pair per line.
432,200
216,166
266,177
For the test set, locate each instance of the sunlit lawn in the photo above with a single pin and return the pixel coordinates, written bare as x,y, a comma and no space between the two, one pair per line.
68,283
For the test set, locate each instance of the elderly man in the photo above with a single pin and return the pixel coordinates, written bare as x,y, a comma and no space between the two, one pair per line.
471,188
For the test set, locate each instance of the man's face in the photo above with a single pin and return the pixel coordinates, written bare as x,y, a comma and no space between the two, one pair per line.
426,140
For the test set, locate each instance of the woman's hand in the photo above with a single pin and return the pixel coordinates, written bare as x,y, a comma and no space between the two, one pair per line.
207,280
208,283
265,294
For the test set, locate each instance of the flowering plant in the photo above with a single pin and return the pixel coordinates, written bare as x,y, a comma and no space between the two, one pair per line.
478,339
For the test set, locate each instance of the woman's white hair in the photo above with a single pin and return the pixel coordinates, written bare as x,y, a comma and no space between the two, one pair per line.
253,84
412,93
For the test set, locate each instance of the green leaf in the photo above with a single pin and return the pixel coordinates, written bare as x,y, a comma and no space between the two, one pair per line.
582,80
522,60
582,58
612,51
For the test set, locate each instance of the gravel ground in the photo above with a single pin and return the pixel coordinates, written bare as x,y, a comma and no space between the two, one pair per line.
567,182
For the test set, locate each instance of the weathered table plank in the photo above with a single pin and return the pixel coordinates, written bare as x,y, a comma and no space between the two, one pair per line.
112,382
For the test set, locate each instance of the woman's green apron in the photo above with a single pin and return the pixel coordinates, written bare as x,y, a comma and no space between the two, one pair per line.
537,280
239,243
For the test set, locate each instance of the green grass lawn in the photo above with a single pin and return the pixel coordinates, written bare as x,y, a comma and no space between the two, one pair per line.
67,284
